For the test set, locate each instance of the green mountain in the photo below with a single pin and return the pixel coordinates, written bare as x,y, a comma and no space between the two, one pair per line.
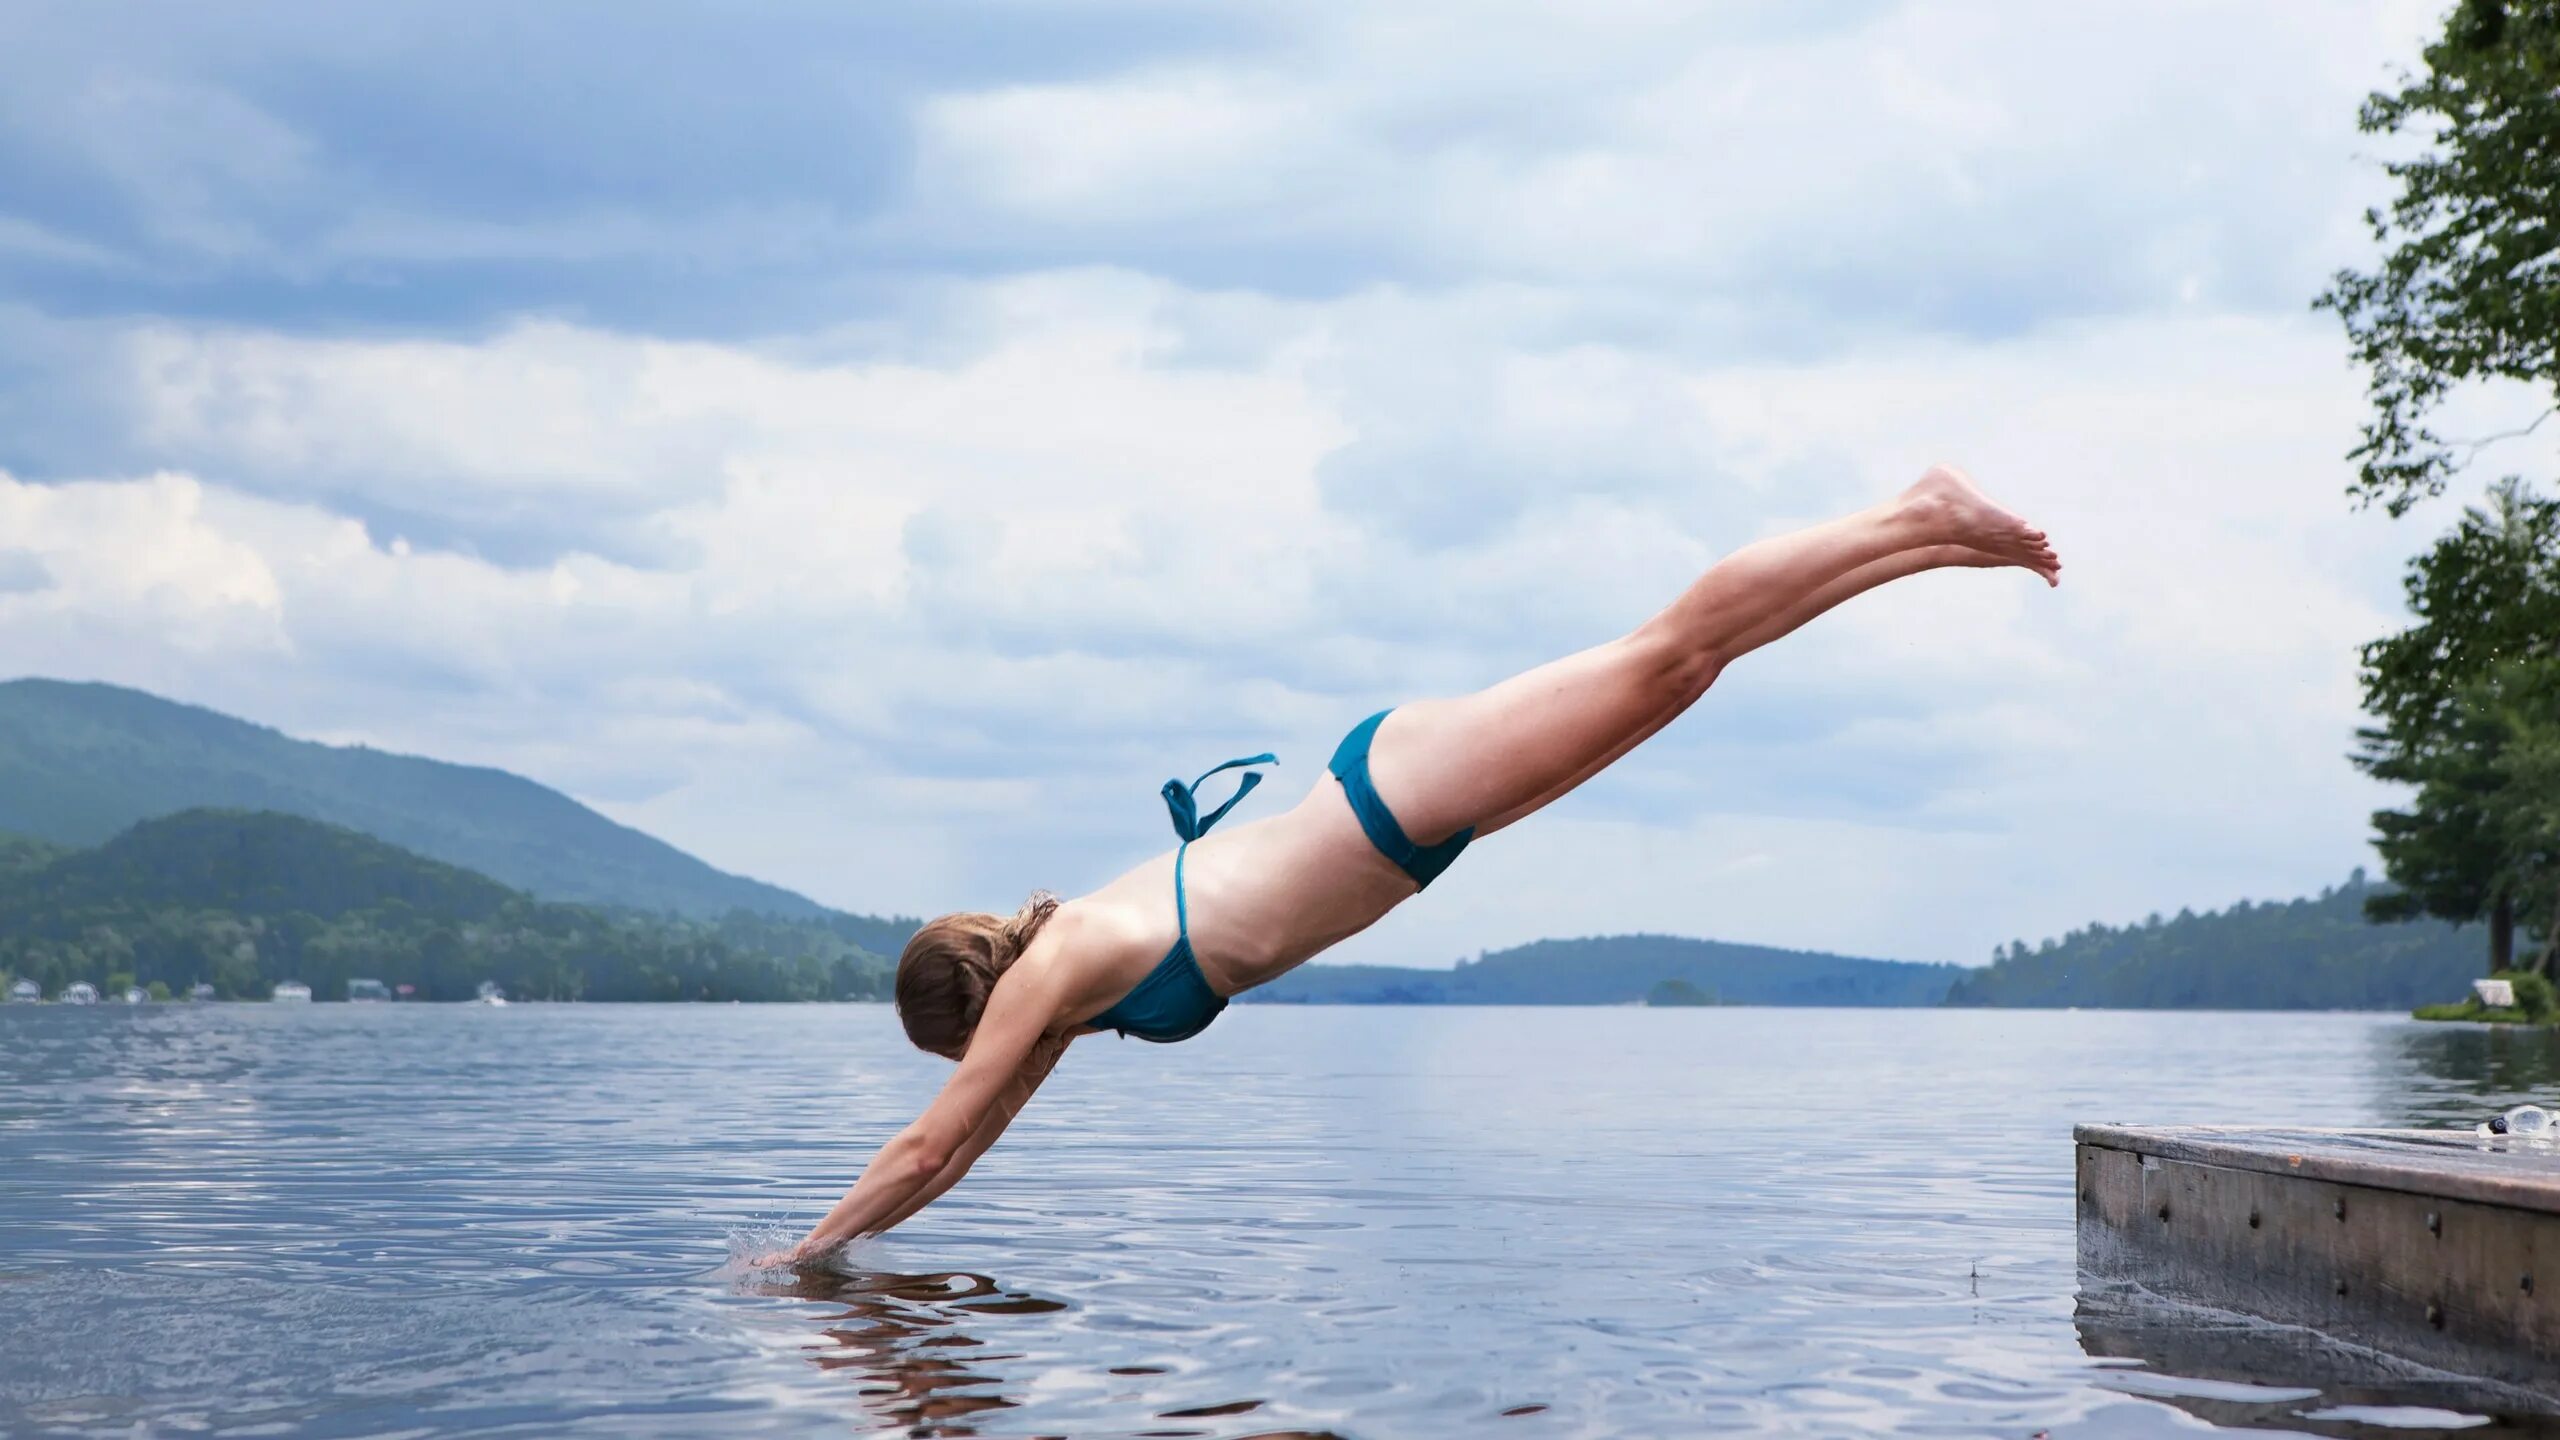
2313,954
80,763
241,900
1619,970
255,863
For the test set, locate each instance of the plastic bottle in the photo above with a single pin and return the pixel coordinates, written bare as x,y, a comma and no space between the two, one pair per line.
2525,1122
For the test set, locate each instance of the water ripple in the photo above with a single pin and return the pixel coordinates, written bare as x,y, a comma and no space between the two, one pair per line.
343,1220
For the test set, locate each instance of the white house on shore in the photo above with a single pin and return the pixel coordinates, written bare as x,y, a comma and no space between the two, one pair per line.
291,992
26,992
79,992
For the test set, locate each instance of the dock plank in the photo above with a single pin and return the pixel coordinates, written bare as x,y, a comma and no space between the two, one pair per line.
2426,1244
2450,1164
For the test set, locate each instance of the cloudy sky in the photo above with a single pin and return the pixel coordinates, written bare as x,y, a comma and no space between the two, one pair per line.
873,447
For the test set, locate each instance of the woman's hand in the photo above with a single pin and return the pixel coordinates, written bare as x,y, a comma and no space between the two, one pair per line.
799,1254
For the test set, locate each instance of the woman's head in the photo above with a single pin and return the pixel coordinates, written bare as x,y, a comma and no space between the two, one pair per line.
950,967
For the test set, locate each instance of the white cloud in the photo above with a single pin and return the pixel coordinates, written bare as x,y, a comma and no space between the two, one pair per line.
145,553
1951,166
919,632
478,433
1201,402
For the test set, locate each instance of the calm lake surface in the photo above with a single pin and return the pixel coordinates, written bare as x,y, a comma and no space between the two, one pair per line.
442,1220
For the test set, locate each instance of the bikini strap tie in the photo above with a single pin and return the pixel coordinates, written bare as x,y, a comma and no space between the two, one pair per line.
1184,803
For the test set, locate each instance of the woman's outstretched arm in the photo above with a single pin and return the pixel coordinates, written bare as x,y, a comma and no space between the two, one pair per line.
1016,1017
1043,1059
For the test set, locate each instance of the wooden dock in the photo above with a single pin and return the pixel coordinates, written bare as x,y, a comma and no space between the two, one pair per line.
2431,1245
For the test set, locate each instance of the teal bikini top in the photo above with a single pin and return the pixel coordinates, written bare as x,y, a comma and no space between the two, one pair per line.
1175,1002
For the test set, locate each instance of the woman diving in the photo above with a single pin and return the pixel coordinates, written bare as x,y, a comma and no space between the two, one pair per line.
1157,952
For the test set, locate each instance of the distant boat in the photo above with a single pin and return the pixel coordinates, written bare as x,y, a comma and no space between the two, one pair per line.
291,992
490,994
199,991
136,995
79,992
367,991
26,992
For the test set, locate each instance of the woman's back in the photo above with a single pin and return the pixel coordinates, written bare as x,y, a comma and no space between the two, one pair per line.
1261,898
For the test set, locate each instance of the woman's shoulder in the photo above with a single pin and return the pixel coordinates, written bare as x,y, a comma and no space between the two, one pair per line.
1093,926
1084,951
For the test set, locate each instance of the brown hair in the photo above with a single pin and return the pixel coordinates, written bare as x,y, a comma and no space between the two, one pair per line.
950,967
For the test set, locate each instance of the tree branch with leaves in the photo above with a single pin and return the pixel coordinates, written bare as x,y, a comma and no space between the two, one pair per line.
2463,700
2469,285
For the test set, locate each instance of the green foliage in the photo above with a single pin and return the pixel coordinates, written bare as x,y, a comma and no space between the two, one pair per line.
80,763
2470,1009
21,853
1675,993
2466,703
2534,995
2469,285
2535,1004
242,900
260,863
2525,809
1620,970
2315,954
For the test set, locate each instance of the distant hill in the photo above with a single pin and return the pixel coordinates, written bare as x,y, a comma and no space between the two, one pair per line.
240,900
2313,954
1618,970
80,763
253,863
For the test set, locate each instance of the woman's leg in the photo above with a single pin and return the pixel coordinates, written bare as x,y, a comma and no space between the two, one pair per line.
1489,758
1856,582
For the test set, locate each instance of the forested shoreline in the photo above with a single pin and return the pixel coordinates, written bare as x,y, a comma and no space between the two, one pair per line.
2317,953
242,901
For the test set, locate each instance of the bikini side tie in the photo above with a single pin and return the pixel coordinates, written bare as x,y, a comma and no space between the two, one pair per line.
1184,803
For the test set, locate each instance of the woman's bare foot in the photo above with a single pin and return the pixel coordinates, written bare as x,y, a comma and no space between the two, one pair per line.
1950,505
1948,557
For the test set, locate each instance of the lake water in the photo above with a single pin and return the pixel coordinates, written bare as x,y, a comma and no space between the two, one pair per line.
443,1220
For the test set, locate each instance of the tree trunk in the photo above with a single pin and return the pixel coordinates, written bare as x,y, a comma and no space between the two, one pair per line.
2550,943
2502,935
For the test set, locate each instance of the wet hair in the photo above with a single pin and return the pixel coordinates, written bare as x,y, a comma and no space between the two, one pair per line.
951,966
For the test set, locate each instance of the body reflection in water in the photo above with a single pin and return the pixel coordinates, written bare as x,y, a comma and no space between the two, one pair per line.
901,1333
907,1339
2450,1074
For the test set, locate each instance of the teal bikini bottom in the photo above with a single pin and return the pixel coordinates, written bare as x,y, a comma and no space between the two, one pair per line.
1351,766
1175,1002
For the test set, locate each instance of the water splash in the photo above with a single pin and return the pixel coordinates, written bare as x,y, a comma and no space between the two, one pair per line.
751,1248
756,1251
